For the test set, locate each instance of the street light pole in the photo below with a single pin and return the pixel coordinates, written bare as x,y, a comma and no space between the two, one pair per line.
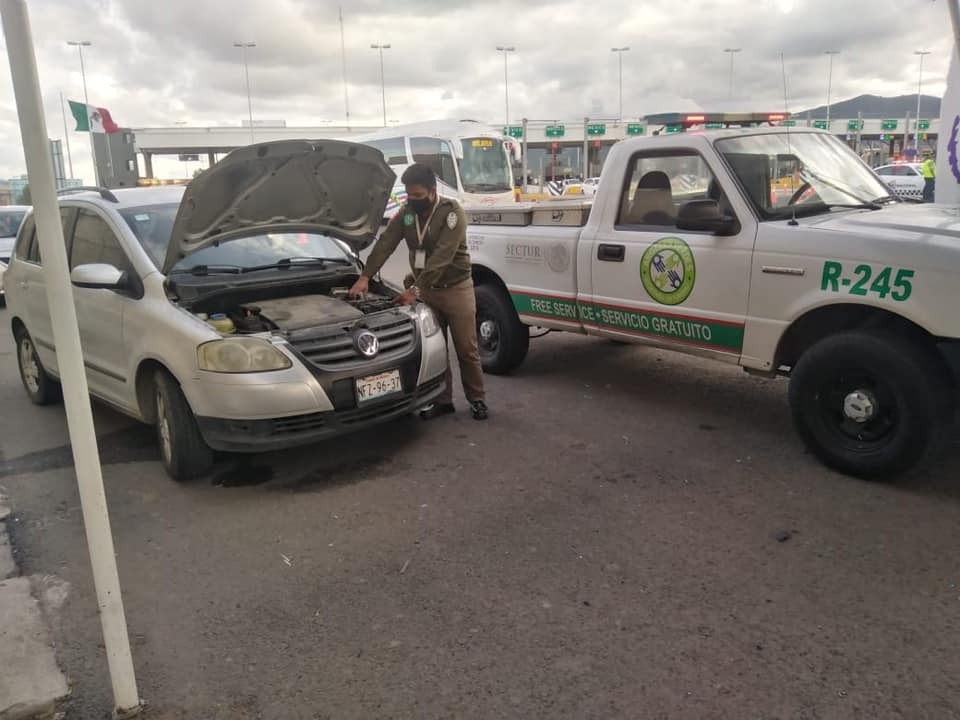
246,73
620,51
732,52
506,49
916,126
830,54
80,45
383,83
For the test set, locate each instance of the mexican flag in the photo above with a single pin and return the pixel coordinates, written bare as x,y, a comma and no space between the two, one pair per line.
94,119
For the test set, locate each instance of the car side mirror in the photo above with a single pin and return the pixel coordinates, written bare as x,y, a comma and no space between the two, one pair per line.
99,276
705,216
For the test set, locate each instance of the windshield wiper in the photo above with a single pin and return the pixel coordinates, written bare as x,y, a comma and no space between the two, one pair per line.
493,187
888,198
290,262
208,270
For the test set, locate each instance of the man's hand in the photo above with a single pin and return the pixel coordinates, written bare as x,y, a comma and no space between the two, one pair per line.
360,287
407,297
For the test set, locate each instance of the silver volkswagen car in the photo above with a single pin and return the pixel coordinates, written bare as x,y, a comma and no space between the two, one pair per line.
220,313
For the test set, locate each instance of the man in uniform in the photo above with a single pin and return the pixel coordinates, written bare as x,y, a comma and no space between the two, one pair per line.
435,230
929,171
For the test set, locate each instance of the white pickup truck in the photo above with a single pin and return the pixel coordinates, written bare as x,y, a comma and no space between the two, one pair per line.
774,249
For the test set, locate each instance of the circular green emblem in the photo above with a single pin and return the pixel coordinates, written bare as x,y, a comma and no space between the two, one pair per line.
668,271
408,219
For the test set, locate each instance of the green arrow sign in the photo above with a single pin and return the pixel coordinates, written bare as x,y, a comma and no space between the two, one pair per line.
854,125
788,123
635,129
514,131
714,126
674,128
821,124
888,125
554,131
596,129
924,124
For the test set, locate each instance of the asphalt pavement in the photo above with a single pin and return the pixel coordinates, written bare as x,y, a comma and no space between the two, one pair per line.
633,534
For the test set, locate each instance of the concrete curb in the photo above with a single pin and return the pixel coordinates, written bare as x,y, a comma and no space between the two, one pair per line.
31,683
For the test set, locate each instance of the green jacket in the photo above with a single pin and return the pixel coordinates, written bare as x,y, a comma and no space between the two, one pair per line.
929,168
445,244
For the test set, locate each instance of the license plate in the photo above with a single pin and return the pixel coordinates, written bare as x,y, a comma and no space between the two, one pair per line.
378,386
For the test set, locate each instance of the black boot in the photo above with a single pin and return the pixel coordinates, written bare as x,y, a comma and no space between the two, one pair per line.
478,409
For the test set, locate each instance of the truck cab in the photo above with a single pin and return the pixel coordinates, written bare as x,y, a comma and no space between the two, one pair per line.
775,249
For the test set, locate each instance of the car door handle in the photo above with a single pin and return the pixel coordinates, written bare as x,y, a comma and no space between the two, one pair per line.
611,253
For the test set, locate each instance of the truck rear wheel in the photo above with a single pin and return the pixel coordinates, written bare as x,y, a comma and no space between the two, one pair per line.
868,404
502,338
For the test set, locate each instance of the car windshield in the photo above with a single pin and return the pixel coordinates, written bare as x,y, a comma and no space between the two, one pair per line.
485,167
153,226
786,173
10,222
261,251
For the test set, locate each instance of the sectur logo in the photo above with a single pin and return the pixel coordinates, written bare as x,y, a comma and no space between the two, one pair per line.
668,271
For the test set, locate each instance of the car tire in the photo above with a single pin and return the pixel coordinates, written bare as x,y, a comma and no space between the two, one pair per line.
41,388
870,405
183,451
503,340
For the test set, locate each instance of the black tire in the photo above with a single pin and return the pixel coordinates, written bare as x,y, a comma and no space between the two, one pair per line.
868,404
182,450
502,338
41,388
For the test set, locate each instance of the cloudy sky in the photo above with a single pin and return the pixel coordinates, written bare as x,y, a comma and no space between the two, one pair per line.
158,63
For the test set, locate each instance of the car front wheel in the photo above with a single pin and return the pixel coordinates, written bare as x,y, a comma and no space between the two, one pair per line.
40,387
183,451
868,404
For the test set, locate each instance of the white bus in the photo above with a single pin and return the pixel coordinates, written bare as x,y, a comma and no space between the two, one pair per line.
473,162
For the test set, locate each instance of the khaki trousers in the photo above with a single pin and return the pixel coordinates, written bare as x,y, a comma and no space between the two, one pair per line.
456,310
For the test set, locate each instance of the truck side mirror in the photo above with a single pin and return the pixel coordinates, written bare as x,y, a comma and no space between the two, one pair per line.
705,216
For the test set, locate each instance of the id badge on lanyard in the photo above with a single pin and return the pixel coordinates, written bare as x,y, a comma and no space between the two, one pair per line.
420,255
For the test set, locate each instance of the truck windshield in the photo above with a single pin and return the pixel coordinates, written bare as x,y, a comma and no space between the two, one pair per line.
801,172
485,167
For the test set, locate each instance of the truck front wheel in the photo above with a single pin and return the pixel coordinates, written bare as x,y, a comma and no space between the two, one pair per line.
502,338
869,404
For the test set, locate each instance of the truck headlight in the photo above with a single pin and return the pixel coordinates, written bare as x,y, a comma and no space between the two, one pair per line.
241,355
428,321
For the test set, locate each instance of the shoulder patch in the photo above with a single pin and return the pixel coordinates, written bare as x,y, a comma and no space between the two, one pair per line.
408,219
452,220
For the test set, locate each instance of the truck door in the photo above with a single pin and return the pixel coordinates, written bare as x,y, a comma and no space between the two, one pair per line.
670,287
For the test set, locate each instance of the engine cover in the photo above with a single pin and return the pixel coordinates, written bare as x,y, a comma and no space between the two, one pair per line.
304,311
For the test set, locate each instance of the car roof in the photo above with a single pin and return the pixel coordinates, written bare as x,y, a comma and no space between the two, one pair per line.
130,197
14,208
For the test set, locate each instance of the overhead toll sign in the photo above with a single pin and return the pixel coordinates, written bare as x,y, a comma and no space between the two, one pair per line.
714,126
514,131
636,129
888,125
923,124
788,123
554,131
673,129
854,125
821,124
596,129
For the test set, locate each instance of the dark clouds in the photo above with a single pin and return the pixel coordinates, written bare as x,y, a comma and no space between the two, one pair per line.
157,63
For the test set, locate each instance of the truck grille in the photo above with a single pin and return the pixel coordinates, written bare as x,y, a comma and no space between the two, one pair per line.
334,348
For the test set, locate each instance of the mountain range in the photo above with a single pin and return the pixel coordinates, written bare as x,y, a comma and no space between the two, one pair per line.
874,106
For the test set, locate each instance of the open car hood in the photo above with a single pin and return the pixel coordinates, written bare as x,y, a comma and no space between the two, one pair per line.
329,187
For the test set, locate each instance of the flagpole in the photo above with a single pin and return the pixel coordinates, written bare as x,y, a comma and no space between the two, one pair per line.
97,177
66,134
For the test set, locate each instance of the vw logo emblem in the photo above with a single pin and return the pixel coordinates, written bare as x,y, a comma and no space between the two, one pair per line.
367,343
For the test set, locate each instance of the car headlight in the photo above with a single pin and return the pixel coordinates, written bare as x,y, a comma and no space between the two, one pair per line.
428,321
241,355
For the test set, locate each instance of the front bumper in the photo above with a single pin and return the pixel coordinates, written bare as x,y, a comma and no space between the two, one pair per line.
285,432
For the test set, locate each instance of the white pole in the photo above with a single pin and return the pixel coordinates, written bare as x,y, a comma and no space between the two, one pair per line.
83,439
383,83
343,62
66,135
97,179
916,124
246,74
830,54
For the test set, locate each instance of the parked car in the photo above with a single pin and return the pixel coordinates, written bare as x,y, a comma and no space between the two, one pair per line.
220,313
905,179
11,216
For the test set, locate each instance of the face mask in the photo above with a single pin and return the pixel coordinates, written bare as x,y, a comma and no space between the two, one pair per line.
420,205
